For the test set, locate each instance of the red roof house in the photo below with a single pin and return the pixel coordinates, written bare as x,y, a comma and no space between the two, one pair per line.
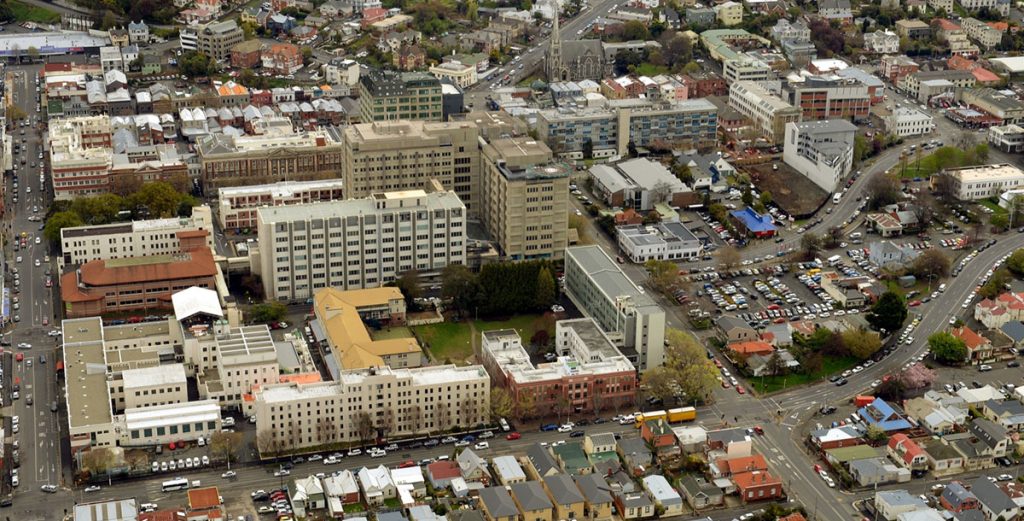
907,453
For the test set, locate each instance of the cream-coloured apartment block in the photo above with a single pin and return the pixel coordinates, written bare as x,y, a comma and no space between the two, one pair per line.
526,196
80,156
156,385
980,182
767,112
359,243
388,156
237,205
365,404
246,358
81,244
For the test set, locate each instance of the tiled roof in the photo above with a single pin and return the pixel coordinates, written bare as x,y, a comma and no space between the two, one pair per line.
748,348
199,498
971,339
192,264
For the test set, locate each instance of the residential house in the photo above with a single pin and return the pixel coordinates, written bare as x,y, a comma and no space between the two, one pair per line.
497,504
981,444
377,485
691,438
566,496
410,480
699,493
838,10
540,462
532,501
881,414
473,467
342,488
571,458
743,350
664,495
979,348
734,329
732,442
599,443
634,505
658,434
836,437
1007,413
441,473
869,472
995,504
938,415
727,467
886,254
906,452
596,498
956,498
508,470
308,494
759,485
943,459
1004,308
760,364
1014,330
889,504
636,455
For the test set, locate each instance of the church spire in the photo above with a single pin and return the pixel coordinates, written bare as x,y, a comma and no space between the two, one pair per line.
554,58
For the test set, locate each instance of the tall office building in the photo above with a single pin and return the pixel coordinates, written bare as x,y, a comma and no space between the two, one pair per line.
359,243
389,96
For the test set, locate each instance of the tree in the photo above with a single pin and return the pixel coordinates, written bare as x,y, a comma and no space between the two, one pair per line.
766,198
635,30
917,376
160,199
1015,263
810,244
226,445
890,389
409,284
364,426
588,149
33,53
876,433
747,197
728,257
861,343
386,423
884,190
99,461
442,416
658,382
996,284
696,374
267,444
195,64
525,406
501,403
888,313
776,365
812,362
307,53
265,312
125,185
545,289
662,274
460,286
833,238
1000,221
58,221
930,263
947,349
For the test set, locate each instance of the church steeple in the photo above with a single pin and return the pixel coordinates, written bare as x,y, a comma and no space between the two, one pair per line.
553,61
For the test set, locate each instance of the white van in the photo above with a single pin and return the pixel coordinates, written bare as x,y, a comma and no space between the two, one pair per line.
504,425
855,235
836,198
833,260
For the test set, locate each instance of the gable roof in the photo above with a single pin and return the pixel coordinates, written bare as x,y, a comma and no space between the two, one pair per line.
499,502
955,494
563,489
594,488
531,496
990,433
991,496
541,459
880,413
1013,329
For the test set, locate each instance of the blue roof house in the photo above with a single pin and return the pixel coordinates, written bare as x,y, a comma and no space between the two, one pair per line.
880,413
750,223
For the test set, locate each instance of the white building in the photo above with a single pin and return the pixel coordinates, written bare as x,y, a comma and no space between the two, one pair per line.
882,42
746,68
395,403
624,311
661,241
767,112
461,74
377,484
163,424
1008,138
81,244
342,72
908,121
238,205
151,386
786,30
820,150
246,357
359,243
1001,6
979,182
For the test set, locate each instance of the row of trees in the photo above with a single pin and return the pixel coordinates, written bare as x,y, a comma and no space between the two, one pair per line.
500,288
142,201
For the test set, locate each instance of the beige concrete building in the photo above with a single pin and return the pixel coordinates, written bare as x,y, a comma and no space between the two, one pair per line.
367,404
461,74
971,183
229,160
150,386
246,358
358,243
213,39
237,205
767,112
526,198
403,155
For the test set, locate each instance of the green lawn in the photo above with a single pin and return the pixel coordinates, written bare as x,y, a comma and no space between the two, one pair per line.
771,384
649,69
992,205
936,160
454,340
30,13
390,333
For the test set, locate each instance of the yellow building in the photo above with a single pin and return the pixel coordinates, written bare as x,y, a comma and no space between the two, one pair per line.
729,13
342,314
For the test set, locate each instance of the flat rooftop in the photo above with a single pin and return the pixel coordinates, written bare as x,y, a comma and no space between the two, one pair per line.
249,342
976,174
280,189
85,371
352,208
175,413
607,276
158,376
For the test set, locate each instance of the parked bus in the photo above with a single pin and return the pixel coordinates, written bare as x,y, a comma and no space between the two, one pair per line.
175,484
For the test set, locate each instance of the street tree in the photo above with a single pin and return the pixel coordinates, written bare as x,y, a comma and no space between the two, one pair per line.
930,263
917,376
364,427
728,257
501,403
1000,221
996,284
409,284
99,461
662,274
861,343
876,433
810,244
265,312
545,292
267,444
888,313
1015,262
525,406
947,349
225,445
58,221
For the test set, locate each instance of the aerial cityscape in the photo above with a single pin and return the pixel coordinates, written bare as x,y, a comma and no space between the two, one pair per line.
512,260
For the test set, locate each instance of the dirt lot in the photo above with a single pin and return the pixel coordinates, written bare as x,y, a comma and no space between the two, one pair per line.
794,193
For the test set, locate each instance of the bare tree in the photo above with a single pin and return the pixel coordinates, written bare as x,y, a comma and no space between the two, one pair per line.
364,426
660,192
414,417
386,423
441,416
267,444
728,257
225,445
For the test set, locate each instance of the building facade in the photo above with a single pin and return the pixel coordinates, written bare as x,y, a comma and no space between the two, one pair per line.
230,160
382,402
907,121
526,203
388,96
662,241
826,98
358,243
820,150
980,182
634,322
214,39
237,205
768,113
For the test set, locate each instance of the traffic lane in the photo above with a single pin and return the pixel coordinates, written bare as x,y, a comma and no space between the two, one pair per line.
799,478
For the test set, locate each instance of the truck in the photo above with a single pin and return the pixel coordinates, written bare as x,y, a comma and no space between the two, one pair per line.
863,401
682,414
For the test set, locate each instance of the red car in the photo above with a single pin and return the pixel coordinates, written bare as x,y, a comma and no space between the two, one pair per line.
718,363
740,389
759,430
406,464
19,357
513,436
914,303
725,384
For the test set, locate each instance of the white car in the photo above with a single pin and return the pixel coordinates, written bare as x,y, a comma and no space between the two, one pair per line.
380,453
229,474
565,428
355,452
282,473
482,445
93,488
